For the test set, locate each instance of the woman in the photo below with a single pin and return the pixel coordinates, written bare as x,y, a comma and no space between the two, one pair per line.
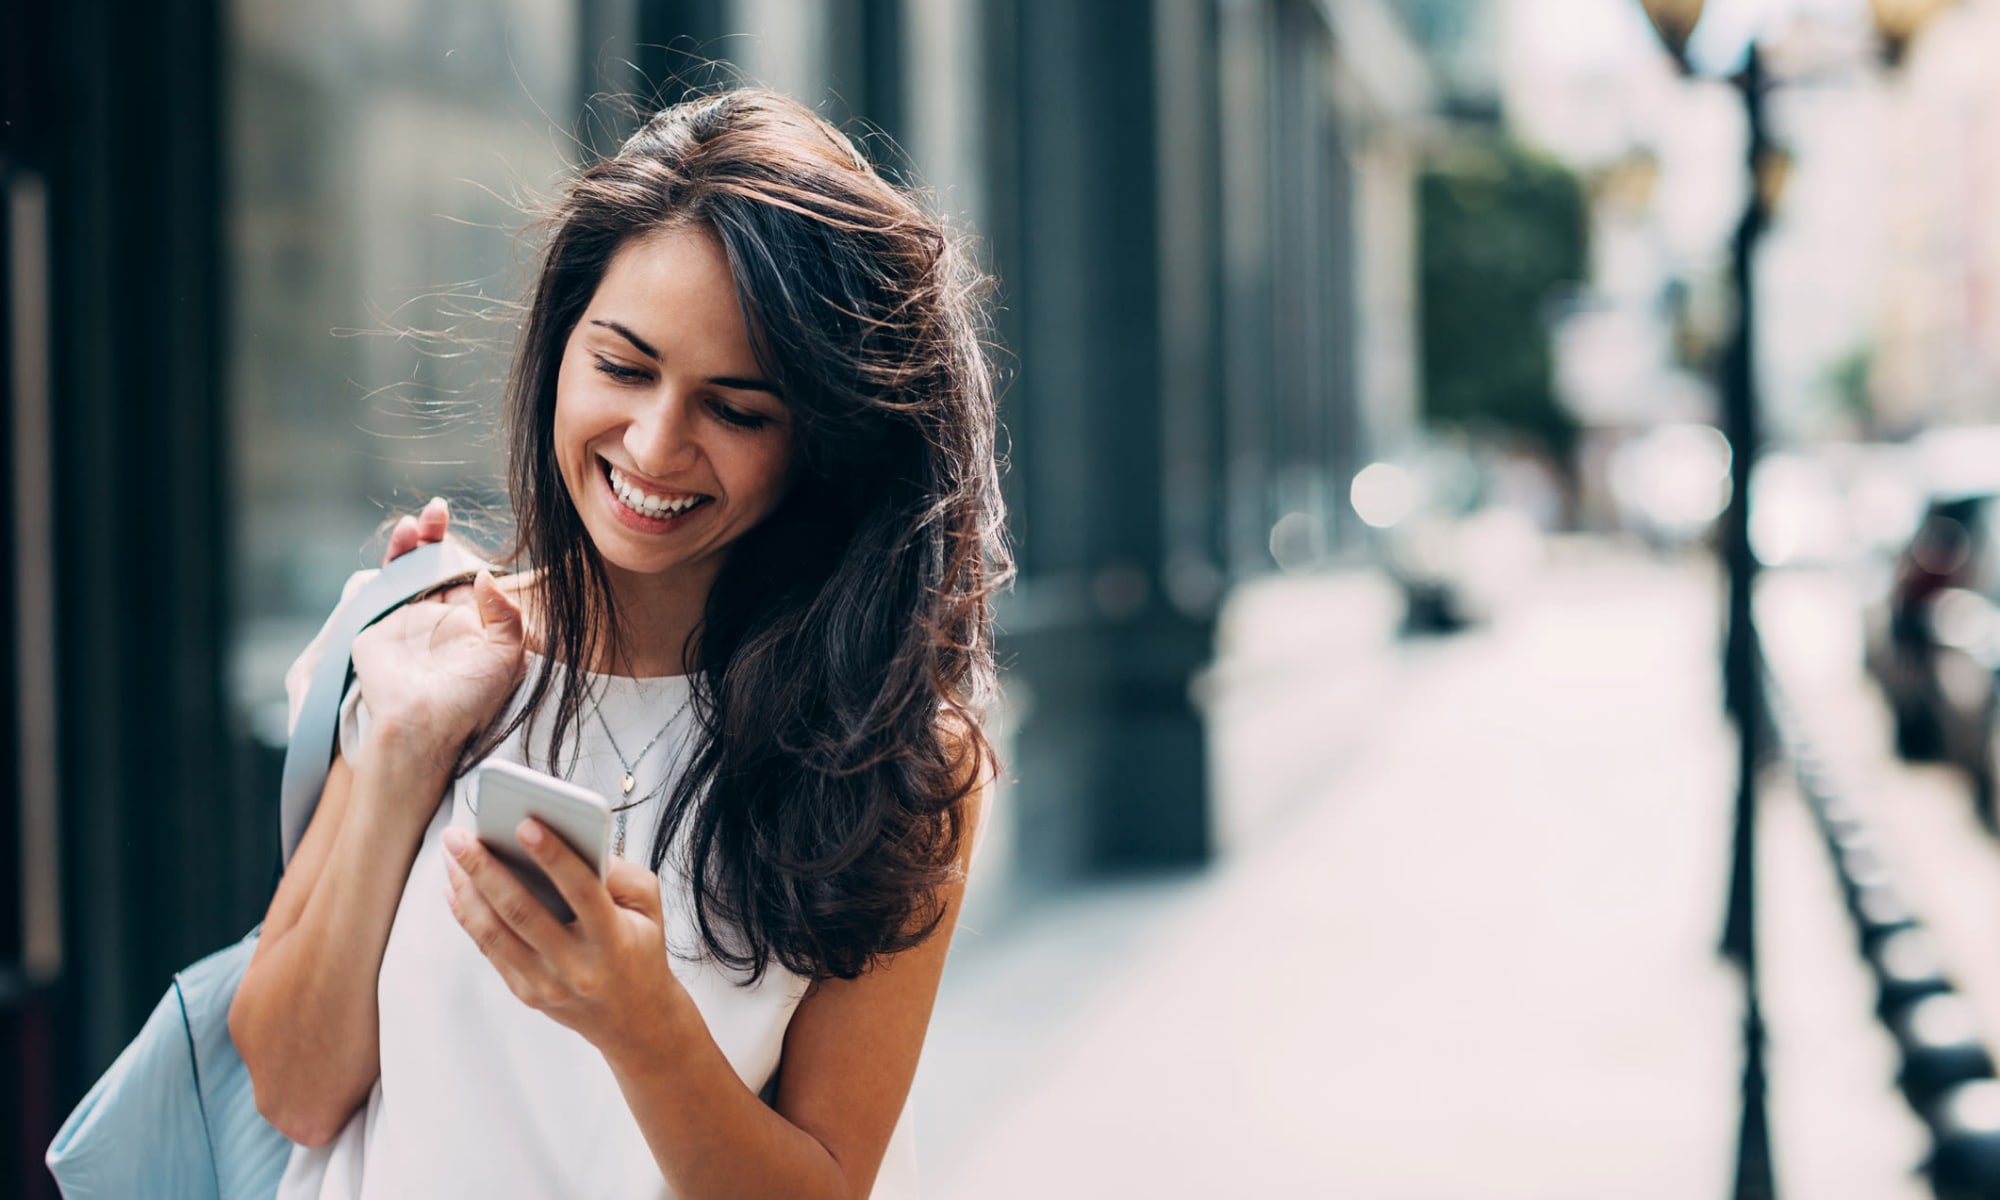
752,465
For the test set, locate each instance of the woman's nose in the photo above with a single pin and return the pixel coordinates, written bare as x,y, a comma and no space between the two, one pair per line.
661,439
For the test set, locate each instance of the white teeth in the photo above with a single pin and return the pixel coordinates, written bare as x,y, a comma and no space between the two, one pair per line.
649,505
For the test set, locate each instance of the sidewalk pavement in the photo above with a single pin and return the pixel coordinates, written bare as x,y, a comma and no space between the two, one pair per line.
1475,960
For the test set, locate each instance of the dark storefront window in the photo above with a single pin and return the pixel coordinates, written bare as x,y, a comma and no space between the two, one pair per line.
383,156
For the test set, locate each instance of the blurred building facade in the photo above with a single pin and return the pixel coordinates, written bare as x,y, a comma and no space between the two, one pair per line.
1877,276
264,278
1937,357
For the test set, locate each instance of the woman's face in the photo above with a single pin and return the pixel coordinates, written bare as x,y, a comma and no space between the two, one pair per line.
669,439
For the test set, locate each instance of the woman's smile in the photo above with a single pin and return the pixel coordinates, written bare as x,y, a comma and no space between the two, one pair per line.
647,509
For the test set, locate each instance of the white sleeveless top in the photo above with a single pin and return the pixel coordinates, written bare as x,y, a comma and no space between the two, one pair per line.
481,1095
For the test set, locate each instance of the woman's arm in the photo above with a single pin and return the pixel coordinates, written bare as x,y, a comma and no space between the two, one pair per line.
850,1052
304,1017
850,1055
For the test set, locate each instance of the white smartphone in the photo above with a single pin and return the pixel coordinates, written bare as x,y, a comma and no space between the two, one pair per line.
505,794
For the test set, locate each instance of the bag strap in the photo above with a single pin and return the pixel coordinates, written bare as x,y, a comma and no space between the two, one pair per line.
315,738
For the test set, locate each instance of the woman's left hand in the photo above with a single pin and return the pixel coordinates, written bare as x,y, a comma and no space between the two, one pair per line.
606,974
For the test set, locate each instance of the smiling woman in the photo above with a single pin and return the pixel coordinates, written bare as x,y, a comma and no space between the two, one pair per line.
751,460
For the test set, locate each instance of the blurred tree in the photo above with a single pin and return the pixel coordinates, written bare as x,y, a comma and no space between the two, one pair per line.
1502,233
1848,390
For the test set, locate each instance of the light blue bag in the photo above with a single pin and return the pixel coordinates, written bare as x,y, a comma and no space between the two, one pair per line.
174,1118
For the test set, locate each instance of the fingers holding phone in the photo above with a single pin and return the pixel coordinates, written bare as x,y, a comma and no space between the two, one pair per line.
507,794
605,973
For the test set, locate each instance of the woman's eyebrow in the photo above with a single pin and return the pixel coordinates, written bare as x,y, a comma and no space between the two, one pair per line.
629,336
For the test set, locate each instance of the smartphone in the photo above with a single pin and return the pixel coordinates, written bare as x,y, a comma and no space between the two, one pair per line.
505,794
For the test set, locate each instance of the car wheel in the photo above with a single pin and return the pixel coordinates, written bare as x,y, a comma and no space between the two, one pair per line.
1986,775
1918,738
1982,795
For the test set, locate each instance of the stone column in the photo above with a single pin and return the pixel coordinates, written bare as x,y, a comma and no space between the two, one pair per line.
1102,215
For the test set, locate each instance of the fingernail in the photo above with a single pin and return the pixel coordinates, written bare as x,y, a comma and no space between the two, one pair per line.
531,833
456,840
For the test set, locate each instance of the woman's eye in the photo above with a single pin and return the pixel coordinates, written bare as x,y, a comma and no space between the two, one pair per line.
740,418
622,374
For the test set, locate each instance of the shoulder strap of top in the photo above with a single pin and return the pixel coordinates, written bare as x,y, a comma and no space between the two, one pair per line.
308,756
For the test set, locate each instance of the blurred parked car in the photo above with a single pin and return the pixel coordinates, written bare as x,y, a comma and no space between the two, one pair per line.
1933,639
1453,552
1835,506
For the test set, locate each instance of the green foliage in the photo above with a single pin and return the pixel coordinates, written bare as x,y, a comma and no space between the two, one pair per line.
1502,234
1847,385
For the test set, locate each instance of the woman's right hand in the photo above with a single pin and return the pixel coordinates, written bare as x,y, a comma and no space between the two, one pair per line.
428,524
435,671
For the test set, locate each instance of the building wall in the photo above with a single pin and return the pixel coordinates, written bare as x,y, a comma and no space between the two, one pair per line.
1938,355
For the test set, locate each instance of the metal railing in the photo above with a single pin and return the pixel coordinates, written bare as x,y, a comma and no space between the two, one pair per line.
1946,1072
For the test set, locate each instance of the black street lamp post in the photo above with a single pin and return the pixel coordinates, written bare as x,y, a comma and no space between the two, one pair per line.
1897,21
1743,691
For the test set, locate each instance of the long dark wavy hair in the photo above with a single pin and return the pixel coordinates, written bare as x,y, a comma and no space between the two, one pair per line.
845,653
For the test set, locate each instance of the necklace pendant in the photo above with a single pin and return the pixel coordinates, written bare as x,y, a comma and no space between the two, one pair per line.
625,784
